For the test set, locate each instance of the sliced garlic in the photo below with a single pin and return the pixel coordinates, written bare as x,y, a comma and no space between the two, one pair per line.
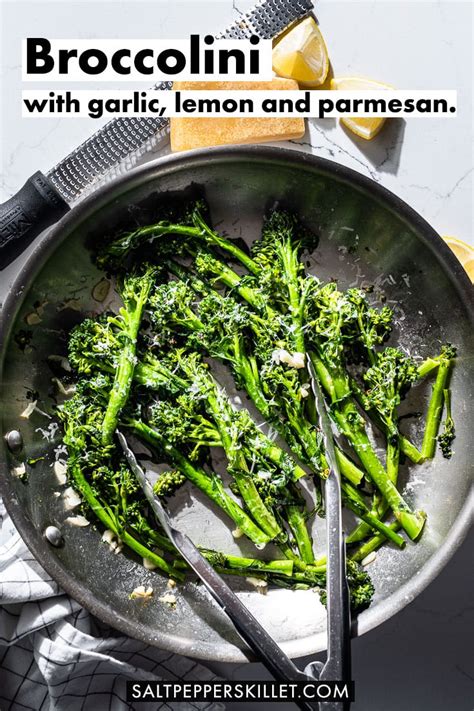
108,536
70,390
71,498
62,360
168,599
141,592
77,521
279,355
19,471
100,290
29,409
259,584
368,559
33,318
294,360
297,360
73,304
148,564
60,470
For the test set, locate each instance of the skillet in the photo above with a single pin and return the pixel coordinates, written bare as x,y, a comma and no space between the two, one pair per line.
368,238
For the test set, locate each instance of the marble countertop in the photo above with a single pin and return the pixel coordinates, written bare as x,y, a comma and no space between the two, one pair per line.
419,660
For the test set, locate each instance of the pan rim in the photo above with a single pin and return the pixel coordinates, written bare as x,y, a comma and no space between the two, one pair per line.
53,239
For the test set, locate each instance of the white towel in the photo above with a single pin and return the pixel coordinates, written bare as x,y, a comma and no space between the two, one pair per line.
55,656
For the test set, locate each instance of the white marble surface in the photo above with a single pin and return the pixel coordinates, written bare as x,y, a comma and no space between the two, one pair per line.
419,660
427,162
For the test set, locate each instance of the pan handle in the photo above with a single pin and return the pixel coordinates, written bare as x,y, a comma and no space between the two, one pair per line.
24,216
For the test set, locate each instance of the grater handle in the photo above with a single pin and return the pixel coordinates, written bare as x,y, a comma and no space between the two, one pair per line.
24,216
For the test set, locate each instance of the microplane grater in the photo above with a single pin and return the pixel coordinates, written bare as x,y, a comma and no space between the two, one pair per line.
119,144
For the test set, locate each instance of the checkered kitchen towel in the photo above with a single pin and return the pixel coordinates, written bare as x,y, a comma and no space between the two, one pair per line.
55,656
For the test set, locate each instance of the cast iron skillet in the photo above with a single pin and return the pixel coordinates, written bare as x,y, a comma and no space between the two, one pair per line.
367,237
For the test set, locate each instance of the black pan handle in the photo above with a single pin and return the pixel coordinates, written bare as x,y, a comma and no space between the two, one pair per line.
24,216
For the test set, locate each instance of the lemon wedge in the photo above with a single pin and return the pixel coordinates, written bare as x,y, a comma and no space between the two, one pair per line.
301,54
364,127
464,252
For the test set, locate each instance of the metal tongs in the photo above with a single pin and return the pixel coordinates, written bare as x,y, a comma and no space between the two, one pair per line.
337,667
338,662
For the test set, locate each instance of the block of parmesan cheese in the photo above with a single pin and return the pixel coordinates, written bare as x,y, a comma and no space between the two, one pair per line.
203,131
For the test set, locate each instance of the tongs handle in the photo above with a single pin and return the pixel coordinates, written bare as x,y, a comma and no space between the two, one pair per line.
338,665
338,660
248,627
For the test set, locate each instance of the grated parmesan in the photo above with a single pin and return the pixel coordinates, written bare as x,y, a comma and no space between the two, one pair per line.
50,432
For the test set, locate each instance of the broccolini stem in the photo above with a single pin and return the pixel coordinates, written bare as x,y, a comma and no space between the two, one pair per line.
348,469
448,434
290,554
248,491
352,426
412,522
160,540
153,375
234,281
427,366
210,485
297,580
226,561
298,525
290,263
407,447
108,519
135,295
244,369
227,245
276,455
262,515
380,506
393,460
435,409
409,450
372,544
354,501
324,376
385,531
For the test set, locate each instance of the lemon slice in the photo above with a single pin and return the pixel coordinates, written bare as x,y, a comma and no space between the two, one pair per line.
364,127
464,252
301,54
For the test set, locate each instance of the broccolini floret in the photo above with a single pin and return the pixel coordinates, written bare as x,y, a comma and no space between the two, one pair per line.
448,435
168,483
150,370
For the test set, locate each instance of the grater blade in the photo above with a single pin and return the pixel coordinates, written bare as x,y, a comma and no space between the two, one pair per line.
117,146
